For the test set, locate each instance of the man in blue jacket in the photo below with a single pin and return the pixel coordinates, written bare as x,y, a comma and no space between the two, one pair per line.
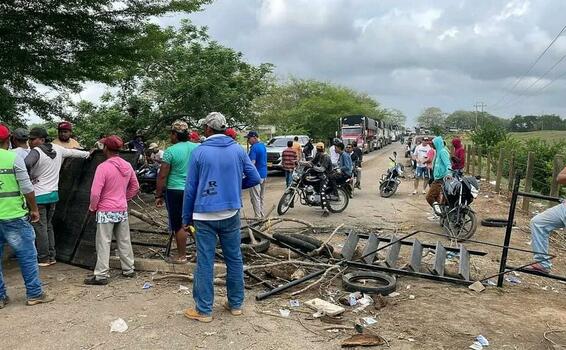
258,156
218,170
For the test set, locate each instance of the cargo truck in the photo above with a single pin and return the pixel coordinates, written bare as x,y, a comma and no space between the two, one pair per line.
361,129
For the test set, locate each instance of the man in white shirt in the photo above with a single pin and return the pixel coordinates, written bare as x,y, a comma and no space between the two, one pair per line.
20,138
421,171
156,154
334,156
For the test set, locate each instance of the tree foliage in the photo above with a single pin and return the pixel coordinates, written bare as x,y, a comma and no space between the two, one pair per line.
395,117
431,118
534,123
57,45
312,107
489,134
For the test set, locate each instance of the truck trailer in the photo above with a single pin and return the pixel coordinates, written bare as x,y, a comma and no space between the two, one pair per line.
361,129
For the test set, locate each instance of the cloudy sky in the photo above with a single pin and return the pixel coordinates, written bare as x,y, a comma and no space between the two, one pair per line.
407,54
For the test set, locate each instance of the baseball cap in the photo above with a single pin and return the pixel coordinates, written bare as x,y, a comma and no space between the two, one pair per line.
252,133
4,132
179,126
320,145
231,132
113,142
64,126
214,120
21,134
194,136
38,133
153,145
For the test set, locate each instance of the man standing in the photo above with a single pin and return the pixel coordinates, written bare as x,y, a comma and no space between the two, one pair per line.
156,155
459,157
212,202
64,139
541,227
358,155
44,164
421,172
20,138
333,154
441,169
289,161
323,162
297,147
17,202
258,156
171,184
114,184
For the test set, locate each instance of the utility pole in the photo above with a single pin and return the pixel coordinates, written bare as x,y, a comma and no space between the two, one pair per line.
479,105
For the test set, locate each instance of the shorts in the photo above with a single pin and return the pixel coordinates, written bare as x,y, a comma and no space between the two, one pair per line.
174,204
422,172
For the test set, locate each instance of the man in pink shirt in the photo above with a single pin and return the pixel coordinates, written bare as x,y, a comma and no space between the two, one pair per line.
114,184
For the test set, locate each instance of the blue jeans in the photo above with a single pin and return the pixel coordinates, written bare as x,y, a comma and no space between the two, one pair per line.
19,235
541,227
288,177
228,232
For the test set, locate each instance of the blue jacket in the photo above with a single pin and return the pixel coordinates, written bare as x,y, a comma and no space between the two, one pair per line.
345,163
215,177
442,165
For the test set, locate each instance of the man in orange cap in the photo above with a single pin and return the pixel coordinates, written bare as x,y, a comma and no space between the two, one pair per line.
64,139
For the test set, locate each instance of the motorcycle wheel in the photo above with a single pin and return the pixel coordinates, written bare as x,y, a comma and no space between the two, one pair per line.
461,227
285,202
341,204
388,188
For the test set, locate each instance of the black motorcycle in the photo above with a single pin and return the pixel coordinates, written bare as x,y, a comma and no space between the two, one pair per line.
147,177
390,182
457,218
306,185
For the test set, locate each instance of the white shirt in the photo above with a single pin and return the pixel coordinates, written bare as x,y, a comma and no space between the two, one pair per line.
334,157
157,157
420,153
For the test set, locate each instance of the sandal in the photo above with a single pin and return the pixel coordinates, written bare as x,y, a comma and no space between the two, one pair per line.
537,267
176,261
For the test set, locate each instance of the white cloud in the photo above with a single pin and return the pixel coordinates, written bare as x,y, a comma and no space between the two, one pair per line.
449,33
427,18
514,8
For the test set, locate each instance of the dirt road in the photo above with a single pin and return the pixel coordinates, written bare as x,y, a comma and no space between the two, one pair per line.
426,315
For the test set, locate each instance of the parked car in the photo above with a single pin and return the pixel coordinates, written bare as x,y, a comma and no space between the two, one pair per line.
275,148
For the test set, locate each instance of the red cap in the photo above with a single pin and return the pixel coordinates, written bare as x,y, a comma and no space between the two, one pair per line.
113,142
194,136
65,126
4,132
231,132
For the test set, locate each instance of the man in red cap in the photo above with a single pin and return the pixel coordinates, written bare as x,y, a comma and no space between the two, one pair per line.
64,139
114,184
231,133
17,209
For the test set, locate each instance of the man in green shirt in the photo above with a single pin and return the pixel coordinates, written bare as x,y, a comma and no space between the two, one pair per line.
171,184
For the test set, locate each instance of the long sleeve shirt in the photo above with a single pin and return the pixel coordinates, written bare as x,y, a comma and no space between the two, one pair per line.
114,184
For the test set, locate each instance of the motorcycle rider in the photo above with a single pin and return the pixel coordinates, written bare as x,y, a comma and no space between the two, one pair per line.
357,157
333,154
343,171
322,161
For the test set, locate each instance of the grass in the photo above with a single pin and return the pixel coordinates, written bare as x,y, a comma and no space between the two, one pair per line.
548,135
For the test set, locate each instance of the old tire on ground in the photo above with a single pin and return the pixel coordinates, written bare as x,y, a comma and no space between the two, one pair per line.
261,246
304,243
495,222
381,283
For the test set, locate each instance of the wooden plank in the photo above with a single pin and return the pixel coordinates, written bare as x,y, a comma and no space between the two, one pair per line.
439,260
464,265
529,179
416,256
499,171
393,253
152,265
371,246
350,246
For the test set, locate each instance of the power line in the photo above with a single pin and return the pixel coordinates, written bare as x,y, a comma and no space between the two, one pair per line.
531,67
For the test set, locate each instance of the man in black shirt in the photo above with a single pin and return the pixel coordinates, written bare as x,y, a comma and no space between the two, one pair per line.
357,157
322,161
307,150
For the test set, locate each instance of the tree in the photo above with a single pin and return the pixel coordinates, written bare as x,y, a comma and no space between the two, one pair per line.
395,117
56,45
489,134
432,118
464,120
313,107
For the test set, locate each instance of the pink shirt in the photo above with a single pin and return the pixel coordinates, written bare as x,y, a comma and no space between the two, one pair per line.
114,184
430,156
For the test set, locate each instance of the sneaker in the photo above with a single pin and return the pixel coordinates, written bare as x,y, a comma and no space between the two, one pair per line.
42,299
129,274
195,315
4,302
414,192
44,262
234,312
52,261
93,281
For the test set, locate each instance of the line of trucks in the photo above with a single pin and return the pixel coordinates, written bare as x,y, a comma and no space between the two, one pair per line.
370,135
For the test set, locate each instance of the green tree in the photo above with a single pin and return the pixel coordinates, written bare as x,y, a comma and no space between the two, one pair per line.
489,134
432,118
395,117
57,45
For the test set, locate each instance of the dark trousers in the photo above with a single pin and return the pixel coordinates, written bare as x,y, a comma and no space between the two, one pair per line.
45,237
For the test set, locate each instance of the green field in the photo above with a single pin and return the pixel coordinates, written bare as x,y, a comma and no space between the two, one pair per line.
548,135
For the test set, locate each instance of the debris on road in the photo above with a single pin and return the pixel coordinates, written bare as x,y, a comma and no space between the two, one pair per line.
294,303
325,307
147,285
363,340
118,325
184,290
285,312
477,287
369,320
482,340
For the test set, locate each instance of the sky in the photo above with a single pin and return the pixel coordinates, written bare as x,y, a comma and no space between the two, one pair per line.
406,54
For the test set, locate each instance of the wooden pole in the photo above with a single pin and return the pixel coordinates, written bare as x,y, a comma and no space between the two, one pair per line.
511,171
488,175
468,159
473,158
554,185
529,179
479,160
499,171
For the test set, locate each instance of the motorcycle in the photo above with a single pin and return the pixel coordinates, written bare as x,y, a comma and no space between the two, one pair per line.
306,185
147,177
390,182
457,218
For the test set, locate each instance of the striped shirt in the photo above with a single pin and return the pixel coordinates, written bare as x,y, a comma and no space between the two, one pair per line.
289,159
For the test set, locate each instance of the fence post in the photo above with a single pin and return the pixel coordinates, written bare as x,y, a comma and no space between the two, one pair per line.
479,160
468,147
555,186
499,171
529,179
472,159
511,171
488,176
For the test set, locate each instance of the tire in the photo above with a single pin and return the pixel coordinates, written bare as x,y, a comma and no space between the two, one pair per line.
387,284
285,202
494,222
344,197
469,217
304,243
261,247
388,188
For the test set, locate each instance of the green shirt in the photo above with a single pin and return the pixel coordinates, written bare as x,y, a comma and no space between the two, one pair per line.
177,156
